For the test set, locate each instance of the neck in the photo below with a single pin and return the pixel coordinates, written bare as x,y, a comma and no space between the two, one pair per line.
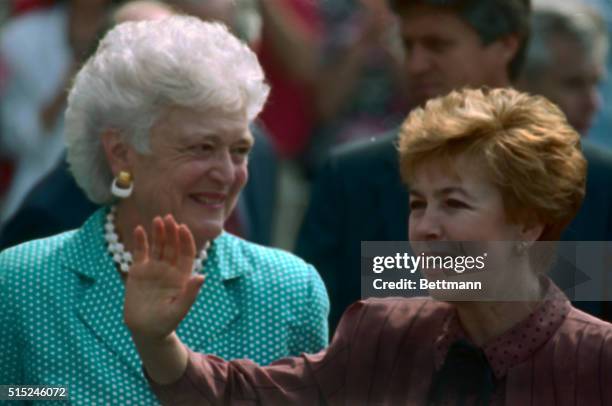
484,321
126,220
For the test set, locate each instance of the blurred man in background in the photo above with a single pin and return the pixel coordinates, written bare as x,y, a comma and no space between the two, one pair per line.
566,63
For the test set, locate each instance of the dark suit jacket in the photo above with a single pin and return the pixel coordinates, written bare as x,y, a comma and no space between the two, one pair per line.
55,205
259,195
359,196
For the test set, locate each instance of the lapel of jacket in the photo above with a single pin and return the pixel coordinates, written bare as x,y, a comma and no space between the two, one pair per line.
215,308
101,305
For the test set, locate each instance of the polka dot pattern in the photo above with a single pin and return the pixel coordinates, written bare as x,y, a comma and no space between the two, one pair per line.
61,313
517,344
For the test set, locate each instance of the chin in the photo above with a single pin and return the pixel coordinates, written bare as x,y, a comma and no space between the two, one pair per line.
206,231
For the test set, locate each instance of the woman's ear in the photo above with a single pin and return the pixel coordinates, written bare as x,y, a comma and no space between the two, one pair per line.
117,151
532,232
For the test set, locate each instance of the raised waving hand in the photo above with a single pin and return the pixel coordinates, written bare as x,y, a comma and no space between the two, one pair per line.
159,292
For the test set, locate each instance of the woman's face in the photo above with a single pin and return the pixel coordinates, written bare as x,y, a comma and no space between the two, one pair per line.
459,203
456,202
195,171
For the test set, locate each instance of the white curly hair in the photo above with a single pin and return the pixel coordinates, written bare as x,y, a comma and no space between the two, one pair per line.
142,68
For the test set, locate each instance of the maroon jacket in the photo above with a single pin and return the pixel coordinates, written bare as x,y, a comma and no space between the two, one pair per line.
386,351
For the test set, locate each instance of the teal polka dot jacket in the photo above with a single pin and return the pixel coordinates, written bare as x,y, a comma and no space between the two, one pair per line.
61,313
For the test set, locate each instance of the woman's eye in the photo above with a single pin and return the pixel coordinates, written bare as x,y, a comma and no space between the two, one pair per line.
456,204
200,148
417,204
243,151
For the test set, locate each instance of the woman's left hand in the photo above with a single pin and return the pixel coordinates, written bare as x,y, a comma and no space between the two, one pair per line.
160,287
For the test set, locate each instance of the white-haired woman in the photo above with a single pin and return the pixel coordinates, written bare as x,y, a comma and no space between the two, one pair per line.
157,129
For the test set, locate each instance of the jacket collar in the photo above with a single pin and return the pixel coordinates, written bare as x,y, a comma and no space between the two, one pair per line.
518,343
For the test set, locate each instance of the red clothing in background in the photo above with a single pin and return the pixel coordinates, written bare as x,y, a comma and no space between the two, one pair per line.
288,114
21,6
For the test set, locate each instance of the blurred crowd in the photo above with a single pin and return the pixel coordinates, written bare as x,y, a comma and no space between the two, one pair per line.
337,75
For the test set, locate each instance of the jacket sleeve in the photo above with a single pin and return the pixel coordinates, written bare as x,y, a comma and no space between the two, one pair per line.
305,380
312,333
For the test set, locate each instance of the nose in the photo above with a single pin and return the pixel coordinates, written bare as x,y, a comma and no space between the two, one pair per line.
223,170
425,226
418,60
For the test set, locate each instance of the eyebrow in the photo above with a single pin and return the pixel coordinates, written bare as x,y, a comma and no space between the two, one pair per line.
443,192
244,138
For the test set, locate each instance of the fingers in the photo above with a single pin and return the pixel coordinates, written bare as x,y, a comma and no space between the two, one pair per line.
159,239
186,249
141,246
170,243
170,250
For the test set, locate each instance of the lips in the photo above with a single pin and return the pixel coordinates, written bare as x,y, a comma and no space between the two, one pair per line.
210,200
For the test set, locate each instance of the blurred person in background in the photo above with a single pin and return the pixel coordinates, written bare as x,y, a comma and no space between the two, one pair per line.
518,341
24,6
356,93
360,90
56,203
42,50
157,124
289,49
600,133
11,9
566,62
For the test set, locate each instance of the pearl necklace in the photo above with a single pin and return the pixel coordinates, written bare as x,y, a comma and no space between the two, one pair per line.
124,258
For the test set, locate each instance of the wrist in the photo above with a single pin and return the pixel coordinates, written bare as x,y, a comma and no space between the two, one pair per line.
164,359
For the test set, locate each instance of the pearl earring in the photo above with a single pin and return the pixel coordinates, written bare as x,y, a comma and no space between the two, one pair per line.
122,185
